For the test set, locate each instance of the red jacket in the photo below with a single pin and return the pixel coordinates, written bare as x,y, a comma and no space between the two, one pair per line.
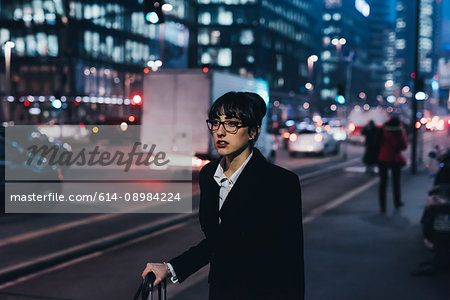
393,142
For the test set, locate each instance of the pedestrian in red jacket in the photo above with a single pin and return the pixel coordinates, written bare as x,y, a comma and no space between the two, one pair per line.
392,143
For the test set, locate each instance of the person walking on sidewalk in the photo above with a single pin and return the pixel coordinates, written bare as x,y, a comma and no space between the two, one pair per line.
392,143
370,158
250,213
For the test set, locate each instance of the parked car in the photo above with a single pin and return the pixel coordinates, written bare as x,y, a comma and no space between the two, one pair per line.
312,141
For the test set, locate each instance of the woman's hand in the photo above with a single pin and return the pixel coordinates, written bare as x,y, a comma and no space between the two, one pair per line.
161,271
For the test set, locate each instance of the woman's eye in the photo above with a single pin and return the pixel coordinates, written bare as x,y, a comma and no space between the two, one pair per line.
214,123
233,124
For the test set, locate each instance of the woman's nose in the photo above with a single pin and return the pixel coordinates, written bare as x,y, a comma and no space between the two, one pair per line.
221,129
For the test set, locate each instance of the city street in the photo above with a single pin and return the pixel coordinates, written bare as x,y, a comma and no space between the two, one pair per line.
110,111
343,231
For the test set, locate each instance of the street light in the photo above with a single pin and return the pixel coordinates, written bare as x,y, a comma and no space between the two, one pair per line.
311,60
339,43
8,46
155,65
309,85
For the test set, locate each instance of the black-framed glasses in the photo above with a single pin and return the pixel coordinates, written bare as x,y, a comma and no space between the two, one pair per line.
229,126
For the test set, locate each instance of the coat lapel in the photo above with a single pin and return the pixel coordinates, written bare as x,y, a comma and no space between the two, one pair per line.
245,181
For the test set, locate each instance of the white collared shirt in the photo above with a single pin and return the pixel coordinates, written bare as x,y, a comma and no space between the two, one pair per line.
226,183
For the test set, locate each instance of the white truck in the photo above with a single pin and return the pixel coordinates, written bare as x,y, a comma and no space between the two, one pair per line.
358,118
183,97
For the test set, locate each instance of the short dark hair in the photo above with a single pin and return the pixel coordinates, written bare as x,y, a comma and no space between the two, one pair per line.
248,107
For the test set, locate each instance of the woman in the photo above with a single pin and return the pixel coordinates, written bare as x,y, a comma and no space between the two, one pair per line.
393,142
250,214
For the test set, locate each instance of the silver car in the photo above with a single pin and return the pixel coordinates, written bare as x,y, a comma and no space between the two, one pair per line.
312,141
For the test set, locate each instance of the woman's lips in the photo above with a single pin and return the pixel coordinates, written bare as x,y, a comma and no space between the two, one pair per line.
221,144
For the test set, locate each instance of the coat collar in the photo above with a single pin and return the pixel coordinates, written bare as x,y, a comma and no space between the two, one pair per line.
256,161
245,181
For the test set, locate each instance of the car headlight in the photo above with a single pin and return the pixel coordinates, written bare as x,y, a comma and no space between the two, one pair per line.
318,137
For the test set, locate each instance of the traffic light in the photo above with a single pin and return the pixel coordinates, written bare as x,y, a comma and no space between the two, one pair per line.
340,97
153,11
137,99
419,88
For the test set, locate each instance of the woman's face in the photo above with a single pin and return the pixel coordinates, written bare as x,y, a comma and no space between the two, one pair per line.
230,143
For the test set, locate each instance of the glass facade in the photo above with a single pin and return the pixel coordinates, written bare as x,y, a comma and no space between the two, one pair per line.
95,49
266,39
345,52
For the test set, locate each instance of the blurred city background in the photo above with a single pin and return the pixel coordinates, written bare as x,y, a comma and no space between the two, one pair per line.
93,56
325,69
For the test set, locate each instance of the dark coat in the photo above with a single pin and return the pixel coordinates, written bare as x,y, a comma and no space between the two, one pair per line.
256,252
371,147
393,142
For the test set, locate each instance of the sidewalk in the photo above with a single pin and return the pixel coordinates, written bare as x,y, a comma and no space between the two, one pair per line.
354,252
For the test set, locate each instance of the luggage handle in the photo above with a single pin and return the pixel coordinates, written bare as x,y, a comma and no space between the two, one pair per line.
146,288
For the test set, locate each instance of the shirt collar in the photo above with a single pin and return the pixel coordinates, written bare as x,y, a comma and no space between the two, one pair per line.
219,175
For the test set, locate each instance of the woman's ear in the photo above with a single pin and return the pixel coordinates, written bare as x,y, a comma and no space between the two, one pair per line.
254,132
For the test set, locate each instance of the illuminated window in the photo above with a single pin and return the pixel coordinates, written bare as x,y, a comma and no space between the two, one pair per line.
205,58
204,18
117,54
326,17
95,42
87,11
38,12
31,45
78,11
326,40
246,37
400,44
326,80
326,55
95,12
425,44
27,14
215,37
87,41
225,17
138,23
279,63
153,32
72,9
224,57
179,9
401,23
20,46
250,59
4,35
18,14
331,30
109,46
52,45
203,37
280,81
41,48
326,93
